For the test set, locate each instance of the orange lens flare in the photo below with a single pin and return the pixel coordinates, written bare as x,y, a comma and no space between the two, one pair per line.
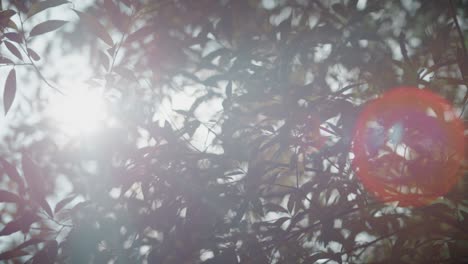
408,147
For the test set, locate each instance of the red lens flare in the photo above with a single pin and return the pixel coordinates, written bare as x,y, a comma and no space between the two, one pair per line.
408,147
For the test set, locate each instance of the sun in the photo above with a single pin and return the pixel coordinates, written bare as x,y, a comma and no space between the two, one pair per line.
79,110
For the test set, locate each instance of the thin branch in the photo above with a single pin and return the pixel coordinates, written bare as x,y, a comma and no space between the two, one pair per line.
38,71
457,26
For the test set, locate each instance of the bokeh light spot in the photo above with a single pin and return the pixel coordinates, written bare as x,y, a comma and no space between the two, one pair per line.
408,146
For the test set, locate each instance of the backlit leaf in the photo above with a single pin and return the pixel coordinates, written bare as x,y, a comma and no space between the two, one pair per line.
13,254
43,5
13,36
140,34
22,223
45,205
33,54
8,197
6,14
14,50
46,27
126,73
10,90
12,172
4,60
47,255
95,27
60,205
30,242
33,176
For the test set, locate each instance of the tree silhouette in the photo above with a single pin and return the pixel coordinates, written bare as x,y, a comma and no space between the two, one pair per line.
237,132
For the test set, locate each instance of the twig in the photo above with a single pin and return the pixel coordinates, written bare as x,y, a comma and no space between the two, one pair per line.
32,61
457,26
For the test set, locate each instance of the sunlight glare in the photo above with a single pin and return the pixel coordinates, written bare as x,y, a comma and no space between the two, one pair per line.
80,110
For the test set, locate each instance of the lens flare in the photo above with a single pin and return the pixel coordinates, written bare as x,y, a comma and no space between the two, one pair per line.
408,147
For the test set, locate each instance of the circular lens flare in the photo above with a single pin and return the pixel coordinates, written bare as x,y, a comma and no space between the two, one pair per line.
408,147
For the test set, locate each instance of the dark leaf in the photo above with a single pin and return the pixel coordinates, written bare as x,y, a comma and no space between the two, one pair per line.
5,15
111,51
14,50
12,172
104,60
15,253
229,89
119,19
48,254
33,176
291,202
11,24
30,242
126,73
45,205
33,54
280,221
43,5
95,27
60,205
46,27
22,223
128,3
13,36
272,207
10,90
323,255
8,197
339,9
4,60
140,34
18,252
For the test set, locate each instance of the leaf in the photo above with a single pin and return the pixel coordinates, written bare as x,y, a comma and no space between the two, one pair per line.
126,73
11,24
32,176
46,27
30,242
48,254
104,59
118,19
14,50
272,207
22,223
10,90
43,5
139,35
291,202
5,15
280,221
229,89
4,60
13,36
128,3
8,197
11,171
45,205
95,27
33,54
17,252
60,205
323,255
13,254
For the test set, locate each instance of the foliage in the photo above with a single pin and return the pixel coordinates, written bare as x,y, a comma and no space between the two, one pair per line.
244,173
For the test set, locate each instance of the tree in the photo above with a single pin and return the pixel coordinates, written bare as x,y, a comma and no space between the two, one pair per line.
257,166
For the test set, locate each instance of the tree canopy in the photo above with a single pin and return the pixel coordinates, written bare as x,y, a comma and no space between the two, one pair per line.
233,131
